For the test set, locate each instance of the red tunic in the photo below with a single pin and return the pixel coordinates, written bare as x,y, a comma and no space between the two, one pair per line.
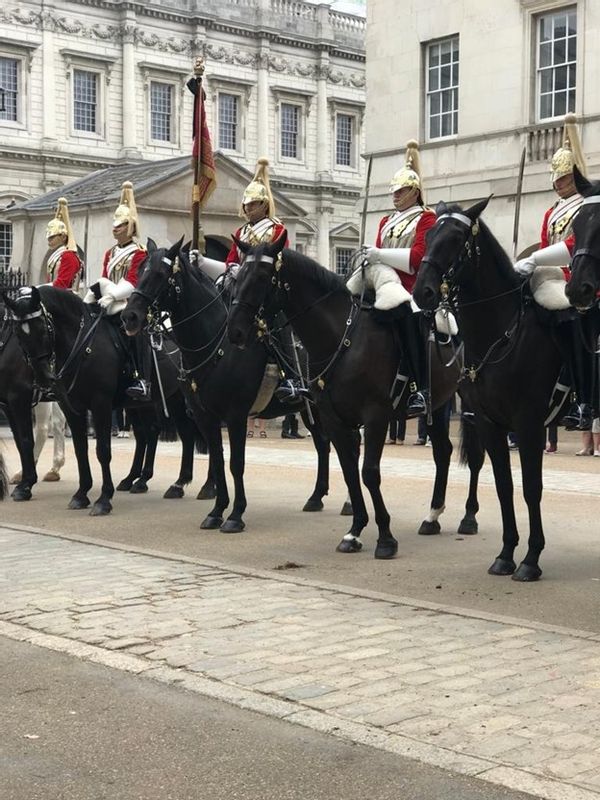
234,256
66,271
417,248
545,242
133,264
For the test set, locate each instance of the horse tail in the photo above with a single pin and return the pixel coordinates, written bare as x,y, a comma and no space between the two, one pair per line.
168,429
3,477
469,438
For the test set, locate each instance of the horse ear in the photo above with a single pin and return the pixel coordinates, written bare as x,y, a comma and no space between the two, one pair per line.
151,246
583,186
441,208
243,247
279,243
477,210
174,250
186,247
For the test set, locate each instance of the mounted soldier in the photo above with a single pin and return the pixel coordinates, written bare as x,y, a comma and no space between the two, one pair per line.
63,266
391,268
120,273
557,246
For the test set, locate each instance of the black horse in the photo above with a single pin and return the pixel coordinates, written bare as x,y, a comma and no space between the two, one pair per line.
16,397
3,477
223,381
353,359
50,326
512,362
584,284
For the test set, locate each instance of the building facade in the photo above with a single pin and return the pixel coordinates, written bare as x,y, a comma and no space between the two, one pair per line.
478,82
86,84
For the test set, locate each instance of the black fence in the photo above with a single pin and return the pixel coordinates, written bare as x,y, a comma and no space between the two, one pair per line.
12,279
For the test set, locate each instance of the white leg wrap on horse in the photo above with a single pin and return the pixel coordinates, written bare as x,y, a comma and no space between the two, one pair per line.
58,430
350,537
435,514
42,426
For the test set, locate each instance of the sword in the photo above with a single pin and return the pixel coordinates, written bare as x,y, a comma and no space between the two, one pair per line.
518,203
363,221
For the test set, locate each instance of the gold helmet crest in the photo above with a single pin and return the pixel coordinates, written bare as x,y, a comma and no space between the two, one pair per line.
570,154
410,174
259,188
126,211
61,224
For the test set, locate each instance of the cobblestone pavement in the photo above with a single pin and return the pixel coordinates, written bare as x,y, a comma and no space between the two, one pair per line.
511,702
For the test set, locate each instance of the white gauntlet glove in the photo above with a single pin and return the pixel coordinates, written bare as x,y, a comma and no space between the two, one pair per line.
106,300
395,257
556,255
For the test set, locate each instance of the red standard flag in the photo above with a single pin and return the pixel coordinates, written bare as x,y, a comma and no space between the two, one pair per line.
203,161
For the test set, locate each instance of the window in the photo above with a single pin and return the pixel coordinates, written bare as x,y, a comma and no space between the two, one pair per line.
9,86
229,118
342,259
344,140
290,130
556,67
442,88
85,101
161,110
6,242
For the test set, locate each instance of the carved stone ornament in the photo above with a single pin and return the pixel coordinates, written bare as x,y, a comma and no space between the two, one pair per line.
278,64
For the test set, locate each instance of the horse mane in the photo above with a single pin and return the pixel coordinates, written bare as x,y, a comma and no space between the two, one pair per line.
495,249
69,300
196,274
326,279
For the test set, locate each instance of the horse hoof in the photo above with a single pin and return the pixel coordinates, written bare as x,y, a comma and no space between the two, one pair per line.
313,504
207,492
139,487
125,485
468,526
429,528
21,493
211,523
100,509
174,493
232,526
77,503
349,546
51,476
502,566
16,478
526,573
387,550
346,510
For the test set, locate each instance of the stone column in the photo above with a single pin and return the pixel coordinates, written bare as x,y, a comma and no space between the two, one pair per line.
48,80
324,211
129,96
262,138
323,133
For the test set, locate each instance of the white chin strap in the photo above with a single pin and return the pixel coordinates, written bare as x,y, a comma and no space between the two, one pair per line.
460,217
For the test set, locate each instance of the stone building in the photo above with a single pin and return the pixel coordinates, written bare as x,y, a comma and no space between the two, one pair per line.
476,82
87,85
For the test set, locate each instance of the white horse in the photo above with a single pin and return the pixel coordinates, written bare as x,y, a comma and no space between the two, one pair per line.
43,413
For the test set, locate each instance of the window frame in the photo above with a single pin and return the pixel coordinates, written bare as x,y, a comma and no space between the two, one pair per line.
9,226
102,67
439,91
300,133
337,249
241,88
238,128
22,53
351,108
549,14
175,78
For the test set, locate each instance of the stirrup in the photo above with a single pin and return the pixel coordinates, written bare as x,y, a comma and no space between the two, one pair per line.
416,405
579,417
139,390
290,390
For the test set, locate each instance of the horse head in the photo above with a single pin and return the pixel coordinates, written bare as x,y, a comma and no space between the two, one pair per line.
153,286
449,243
255,280
35,332
584,284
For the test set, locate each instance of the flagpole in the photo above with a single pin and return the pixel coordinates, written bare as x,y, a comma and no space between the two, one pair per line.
198,242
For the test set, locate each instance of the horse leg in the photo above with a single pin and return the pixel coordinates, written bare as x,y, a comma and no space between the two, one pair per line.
375,433
442,452
323,448
214,440
473,454
41,415
237,459
347,447
58,432
496,445
531,453
78,426
186,430
139,433
19,418
151,434
208,490
103,426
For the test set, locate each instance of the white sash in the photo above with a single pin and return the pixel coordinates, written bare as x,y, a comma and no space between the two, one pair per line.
54,259
400,225
561,218
118,258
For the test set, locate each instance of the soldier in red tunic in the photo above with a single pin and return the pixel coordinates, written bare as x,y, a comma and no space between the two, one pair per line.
557,246
120,276
392,266
63,265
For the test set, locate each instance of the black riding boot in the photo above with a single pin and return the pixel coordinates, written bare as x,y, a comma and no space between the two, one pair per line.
413,347
139,389
577,343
